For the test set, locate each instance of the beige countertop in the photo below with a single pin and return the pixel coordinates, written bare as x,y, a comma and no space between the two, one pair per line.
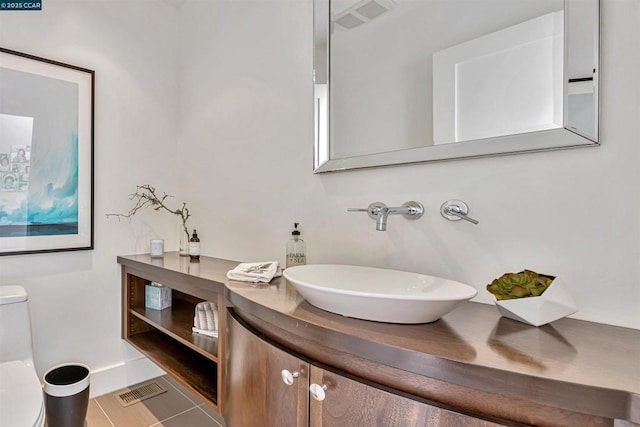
473,343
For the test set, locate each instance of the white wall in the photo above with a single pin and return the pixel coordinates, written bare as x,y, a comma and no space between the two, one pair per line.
75,297
246,141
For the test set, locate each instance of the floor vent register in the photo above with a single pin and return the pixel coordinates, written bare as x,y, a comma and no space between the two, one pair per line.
140,393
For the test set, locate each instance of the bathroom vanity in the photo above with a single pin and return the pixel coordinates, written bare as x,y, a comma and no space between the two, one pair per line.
165,336
281,360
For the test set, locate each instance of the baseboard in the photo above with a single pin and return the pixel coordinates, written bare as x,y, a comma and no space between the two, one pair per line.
112,378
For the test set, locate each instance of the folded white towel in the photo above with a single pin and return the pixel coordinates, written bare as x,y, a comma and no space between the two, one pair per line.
256,272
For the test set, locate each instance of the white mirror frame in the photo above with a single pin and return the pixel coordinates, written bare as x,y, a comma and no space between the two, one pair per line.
553,139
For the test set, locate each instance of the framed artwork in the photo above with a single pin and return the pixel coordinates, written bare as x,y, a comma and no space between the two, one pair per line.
46,155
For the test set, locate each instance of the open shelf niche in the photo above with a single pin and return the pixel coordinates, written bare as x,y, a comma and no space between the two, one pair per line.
165,337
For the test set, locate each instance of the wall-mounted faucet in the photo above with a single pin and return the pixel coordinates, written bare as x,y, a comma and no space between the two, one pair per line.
455,210
380,212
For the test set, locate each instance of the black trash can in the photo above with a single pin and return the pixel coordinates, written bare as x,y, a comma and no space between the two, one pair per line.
66,395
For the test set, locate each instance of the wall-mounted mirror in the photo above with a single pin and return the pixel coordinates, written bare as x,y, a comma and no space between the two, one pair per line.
406,81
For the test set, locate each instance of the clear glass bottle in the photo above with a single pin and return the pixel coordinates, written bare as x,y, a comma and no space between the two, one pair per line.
296,248
183,240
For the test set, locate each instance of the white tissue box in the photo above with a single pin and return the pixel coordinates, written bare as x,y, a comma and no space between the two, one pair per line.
157,297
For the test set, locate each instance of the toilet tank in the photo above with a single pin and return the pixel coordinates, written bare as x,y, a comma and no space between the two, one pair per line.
15,325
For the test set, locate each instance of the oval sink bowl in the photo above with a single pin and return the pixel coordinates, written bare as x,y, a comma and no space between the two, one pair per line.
378,294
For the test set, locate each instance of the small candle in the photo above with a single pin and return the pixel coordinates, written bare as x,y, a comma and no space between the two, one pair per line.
157,248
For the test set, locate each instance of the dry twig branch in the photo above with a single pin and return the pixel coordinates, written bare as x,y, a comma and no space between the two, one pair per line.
147,196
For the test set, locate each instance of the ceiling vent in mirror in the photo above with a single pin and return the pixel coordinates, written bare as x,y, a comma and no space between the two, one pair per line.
352,14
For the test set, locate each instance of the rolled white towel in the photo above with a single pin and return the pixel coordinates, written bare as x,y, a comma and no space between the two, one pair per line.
206,316
200,320
256,272
211,324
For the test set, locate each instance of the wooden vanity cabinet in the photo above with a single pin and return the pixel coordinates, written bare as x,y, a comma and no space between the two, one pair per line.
256,394
165,336
439,374
254,390
350,402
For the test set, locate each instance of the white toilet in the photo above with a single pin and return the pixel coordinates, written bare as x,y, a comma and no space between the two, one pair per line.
21,398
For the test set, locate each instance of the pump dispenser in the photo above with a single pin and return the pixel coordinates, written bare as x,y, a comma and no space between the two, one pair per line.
194,246
296,248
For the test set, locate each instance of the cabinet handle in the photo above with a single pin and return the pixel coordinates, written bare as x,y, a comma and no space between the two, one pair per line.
318,391
288,377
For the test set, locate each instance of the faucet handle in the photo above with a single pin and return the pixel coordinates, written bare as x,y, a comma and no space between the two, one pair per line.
414,210
455,210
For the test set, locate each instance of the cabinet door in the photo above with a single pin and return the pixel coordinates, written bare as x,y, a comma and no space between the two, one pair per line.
255,392
350,403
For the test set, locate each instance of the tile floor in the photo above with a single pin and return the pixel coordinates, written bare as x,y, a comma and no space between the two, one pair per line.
178,407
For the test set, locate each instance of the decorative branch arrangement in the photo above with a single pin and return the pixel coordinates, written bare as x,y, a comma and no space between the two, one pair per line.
147,196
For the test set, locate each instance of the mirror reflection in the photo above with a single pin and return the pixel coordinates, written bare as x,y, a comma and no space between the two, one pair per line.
402,81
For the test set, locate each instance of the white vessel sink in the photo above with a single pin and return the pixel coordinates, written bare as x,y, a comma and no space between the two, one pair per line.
378,294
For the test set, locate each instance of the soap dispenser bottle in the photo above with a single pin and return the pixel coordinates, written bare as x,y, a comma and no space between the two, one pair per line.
194,246
296,248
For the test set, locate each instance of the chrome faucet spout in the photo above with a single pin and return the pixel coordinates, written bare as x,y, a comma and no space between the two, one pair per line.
381,221
380,212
